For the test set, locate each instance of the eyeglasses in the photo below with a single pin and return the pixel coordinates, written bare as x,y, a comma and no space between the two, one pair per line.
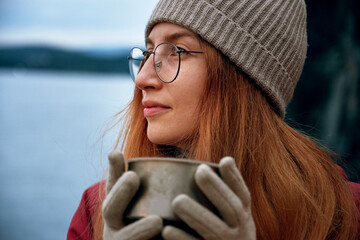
166,59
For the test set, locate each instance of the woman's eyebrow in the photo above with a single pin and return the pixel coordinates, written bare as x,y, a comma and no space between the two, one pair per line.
174,36
177,35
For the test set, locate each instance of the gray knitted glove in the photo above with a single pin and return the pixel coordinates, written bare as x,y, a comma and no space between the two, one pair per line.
229,195
120,188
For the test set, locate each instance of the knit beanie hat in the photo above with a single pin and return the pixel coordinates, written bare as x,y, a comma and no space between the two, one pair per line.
265,38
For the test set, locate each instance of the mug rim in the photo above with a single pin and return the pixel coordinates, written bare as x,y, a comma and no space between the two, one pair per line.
174,160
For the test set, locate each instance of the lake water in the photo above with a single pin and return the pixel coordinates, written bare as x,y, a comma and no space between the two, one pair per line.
50,126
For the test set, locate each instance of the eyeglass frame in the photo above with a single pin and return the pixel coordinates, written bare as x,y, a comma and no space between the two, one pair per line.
146,56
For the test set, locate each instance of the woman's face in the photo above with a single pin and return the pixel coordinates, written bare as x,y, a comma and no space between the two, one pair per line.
171,109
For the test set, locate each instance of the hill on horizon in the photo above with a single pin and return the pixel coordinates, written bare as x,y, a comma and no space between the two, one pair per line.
42,57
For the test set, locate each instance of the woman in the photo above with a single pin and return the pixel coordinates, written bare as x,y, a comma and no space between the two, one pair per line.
215,81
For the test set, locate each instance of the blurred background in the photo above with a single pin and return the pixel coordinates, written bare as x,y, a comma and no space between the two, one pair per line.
63,75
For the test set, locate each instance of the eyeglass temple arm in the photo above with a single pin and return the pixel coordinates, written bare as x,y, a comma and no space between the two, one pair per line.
183,50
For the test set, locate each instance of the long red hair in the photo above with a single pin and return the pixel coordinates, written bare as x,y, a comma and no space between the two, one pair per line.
297,191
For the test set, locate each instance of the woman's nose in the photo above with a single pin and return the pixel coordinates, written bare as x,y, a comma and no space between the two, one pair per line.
147,77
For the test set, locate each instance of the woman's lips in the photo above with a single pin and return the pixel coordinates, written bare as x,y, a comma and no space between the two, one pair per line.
152,108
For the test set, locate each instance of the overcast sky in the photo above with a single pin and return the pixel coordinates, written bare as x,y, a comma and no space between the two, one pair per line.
79,23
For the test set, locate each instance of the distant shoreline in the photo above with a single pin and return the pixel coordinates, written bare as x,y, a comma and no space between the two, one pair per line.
62,59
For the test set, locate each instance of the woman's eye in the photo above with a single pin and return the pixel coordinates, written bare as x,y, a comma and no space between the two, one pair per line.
182,51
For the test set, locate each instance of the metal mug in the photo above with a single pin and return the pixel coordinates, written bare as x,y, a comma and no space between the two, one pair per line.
161,180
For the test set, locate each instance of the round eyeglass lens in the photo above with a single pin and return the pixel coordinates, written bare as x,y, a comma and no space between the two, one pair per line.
167,62
135,58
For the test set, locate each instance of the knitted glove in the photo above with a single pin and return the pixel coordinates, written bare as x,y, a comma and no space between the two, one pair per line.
229,195
120,188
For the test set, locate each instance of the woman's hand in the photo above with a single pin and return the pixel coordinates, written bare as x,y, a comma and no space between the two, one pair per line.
120,188
229,195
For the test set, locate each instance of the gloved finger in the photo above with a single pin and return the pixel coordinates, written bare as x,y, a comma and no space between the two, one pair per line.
196,216
118,198
232,177
219,193
173,233
117,168
143,229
